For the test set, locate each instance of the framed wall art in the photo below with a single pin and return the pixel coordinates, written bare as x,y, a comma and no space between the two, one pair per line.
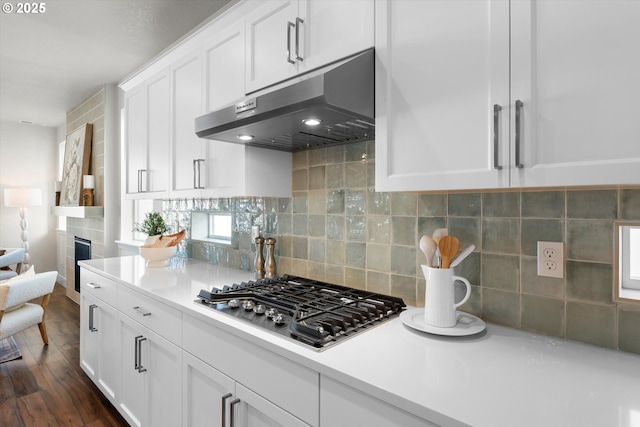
77,156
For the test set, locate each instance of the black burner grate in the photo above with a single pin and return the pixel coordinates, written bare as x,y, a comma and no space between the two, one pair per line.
317,313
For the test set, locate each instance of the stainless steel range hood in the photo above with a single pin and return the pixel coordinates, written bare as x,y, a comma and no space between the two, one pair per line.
342,98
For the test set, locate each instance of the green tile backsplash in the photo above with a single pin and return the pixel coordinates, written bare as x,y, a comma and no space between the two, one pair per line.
337,228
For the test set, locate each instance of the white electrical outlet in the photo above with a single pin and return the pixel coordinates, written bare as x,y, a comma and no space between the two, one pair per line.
551,259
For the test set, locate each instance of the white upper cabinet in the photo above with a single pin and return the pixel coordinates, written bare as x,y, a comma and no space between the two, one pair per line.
495,94
186,157
135,149
288,37
441,66
334,29
147,118
575,68
224,67
270,44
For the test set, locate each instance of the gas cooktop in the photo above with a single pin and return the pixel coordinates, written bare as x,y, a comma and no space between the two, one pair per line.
308,311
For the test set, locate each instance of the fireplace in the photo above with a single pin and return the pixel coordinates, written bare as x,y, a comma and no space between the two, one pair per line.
82,251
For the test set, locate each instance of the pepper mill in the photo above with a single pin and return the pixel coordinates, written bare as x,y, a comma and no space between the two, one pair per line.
271,259
259,257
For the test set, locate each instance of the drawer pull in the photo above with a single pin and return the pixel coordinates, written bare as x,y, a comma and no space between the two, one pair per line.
224,408
141,311
91,327
93,285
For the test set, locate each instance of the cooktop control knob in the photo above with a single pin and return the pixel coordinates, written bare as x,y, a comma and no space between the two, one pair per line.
234,303
259,309
248,305
270,312
278,319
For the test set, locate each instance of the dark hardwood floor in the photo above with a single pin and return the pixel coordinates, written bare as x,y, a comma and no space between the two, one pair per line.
47,387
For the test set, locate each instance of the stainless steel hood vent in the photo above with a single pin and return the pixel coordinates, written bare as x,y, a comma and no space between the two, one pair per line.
342,99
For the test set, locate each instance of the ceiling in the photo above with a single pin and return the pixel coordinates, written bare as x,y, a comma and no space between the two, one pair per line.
52,61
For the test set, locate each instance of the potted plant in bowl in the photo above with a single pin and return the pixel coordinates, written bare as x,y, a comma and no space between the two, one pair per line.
153,225
158,247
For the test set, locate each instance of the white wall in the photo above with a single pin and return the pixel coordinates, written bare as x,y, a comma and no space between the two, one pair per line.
28,157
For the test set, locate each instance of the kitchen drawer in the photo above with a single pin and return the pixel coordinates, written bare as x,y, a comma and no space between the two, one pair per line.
158,317
99,286
287,384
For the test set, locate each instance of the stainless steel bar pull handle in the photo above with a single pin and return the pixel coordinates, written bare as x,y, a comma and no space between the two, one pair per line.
140,180
224,408
232,412
519,106
195,162
496,136
93,285
138,354
136,350
91,326
298,22
199,162
142,311
289,26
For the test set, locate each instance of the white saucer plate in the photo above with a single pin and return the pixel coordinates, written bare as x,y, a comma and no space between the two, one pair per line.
467,324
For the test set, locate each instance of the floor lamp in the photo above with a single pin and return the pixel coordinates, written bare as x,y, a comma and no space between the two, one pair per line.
21,198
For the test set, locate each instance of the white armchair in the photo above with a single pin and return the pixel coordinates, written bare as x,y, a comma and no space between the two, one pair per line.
16,313
11,256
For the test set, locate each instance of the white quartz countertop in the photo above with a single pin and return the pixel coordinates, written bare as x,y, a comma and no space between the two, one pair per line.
501,377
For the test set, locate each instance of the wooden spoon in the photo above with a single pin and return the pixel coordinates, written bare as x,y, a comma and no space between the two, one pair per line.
449,247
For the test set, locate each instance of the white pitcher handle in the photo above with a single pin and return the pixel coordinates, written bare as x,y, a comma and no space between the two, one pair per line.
467,295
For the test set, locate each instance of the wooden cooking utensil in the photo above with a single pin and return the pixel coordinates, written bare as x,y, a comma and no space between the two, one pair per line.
449,247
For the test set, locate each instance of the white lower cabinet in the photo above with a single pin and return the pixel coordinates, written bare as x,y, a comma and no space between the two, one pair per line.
98,342
254,410
206,395
151,377
343,406
210,398
270,390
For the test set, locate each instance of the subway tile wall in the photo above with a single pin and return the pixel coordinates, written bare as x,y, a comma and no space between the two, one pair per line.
338,229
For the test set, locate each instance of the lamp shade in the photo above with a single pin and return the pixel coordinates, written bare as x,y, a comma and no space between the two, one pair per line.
19,197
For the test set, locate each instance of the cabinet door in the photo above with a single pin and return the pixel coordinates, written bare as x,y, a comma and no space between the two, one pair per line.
158,117
224,69
343,406
89,335
575,68
269,31
99,343
135,120
186,147
441,67
132,400
206,394
334,29
254,411
225,166
108,378
151,377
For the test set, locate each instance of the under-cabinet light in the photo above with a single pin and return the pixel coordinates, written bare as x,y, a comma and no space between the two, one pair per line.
312,122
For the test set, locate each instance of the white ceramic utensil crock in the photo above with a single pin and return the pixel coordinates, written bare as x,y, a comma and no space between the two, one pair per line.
439,304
